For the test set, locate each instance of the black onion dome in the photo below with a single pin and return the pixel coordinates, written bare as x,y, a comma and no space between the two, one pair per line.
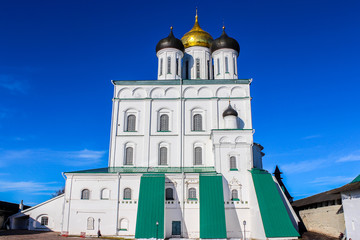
170,42
230,112
224,41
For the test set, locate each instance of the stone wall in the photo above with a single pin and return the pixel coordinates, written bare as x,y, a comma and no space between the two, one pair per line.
327,220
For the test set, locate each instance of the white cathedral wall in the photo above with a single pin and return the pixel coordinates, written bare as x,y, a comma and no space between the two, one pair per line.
191,54
351,205
219,63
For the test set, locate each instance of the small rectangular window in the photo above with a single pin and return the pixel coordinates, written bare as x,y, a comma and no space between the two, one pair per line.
197,68
226,64
208,69
161,66
177,66
218,66
169,65
234,62
187,69
44,221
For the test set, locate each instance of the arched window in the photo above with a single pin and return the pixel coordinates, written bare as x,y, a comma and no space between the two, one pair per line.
226,64
169,65
161,66
187,70
218,66
129,156
198,156
127,194
164,122
234,195
208,69
192,193
90,223
169,194
197,68
197,122
105,193
163,156
131,123
124,224
233,163
177,66
234,63
44,221
85,194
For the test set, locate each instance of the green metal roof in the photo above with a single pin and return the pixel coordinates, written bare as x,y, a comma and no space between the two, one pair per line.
148,170
151,207
276,220
357,179
184,82
212,210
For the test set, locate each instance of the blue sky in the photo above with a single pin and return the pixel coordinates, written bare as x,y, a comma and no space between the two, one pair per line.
57,59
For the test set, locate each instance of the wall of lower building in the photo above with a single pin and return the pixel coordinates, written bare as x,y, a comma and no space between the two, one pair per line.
351,205
328,220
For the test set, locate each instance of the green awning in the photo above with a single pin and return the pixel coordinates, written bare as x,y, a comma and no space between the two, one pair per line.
212,209
151,207
276,220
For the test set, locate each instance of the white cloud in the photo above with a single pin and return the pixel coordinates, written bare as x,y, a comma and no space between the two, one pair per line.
311,137
37,188
12,83
71,158
330,181
304,166
350,158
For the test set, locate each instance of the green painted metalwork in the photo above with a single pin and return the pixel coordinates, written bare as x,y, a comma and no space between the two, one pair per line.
148,170
357,179
276,221
151,207
212,209
184,82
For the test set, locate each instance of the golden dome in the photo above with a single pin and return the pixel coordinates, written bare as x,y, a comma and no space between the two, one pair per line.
197,37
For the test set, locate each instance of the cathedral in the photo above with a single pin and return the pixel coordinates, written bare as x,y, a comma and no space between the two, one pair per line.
182,161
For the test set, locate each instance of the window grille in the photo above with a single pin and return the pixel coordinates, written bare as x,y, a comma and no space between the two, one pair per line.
127,193
169,193
90,223
197,68
226,64
130,126
233,162
129,155
169,65
163,156
44,221
161,66
164,122
234,195
197,122
85,194
198,156
192,193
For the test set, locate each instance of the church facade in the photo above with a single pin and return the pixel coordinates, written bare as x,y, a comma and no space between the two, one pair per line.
182,161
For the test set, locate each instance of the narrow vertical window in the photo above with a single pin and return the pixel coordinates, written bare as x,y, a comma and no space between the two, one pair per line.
90,223
164,122
192,193
130,123
44,221
187,69
161,66
233,163
226,64
85,194
198,156
127,193
169,65
208,69
163,156
197,122
218,66
234,63
197,68
169,193
234,195
177,66
129,155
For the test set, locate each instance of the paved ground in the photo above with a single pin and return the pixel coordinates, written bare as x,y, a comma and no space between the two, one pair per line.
35,235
